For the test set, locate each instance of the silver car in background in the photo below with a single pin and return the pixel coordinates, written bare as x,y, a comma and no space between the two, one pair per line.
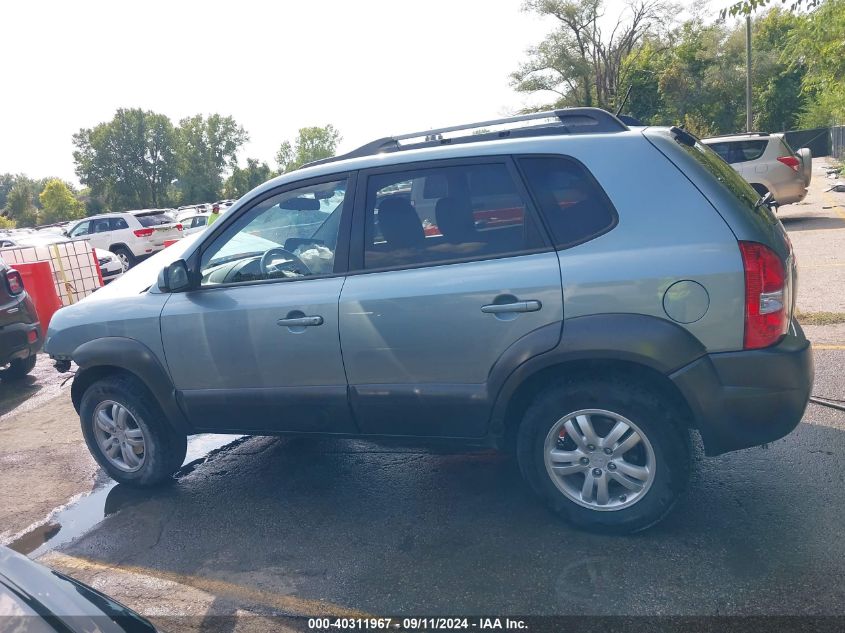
768,163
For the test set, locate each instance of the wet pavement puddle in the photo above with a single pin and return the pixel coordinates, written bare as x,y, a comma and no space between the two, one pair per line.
85,513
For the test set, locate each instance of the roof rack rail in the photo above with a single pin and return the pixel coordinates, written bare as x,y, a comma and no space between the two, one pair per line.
561,121
741,134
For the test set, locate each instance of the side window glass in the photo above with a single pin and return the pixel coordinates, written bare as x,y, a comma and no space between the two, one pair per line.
81,229
282,237
723,150
118,224
573,206
101,226
441,214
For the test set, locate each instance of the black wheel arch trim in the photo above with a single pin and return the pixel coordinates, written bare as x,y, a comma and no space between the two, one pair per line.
634,338
134,357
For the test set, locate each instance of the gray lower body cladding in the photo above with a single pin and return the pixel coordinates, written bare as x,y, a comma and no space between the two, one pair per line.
743,399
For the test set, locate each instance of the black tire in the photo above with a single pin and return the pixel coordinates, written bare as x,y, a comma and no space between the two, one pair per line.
656,418
164,449
761,189
19,368
125,255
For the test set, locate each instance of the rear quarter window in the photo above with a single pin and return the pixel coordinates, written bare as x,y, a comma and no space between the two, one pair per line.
573,206
739,151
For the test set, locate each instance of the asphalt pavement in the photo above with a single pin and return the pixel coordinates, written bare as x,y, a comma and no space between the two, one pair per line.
366,528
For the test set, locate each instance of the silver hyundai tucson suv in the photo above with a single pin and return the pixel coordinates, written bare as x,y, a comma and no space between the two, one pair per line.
581,293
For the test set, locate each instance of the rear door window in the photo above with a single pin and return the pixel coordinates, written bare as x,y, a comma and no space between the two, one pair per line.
573,206
446,213
100,226
739,151
118,224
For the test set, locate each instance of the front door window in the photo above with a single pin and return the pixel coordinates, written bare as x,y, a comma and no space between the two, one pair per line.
291,235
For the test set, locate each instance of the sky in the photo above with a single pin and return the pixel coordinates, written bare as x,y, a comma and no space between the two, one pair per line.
371,68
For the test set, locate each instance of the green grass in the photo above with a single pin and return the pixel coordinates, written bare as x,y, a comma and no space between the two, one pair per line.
820,318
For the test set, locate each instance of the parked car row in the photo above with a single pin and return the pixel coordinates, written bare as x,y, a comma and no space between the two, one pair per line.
130,235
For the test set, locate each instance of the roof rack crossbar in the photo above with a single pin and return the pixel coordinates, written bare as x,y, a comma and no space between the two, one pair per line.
572,120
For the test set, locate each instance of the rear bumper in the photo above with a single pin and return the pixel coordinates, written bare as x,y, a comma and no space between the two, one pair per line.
790,192
742,399
14,341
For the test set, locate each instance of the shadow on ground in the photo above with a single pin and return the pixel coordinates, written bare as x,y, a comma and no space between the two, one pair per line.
811,223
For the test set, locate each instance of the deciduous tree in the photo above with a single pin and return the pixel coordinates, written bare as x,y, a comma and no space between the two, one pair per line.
243,180
129,160
312,143
578,63
58,203
205,148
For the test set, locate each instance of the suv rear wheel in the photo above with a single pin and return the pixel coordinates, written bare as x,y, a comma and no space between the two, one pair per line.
18,368
606,455
127,433
125,256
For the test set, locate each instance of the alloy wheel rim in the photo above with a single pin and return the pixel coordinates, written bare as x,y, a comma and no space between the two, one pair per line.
599,459
119,437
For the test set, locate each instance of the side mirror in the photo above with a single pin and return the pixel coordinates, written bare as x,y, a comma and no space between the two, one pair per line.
174,277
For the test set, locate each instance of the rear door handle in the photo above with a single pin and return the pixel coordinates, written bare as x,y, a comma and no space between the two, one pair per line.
532,305
305,321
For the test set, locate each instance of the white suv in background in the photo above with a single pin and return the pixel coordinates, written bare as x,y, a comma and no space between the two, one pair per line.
768,163
131,235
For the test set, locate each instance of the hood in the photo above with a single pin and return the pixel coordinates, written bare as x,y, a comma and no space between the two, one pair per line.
140,277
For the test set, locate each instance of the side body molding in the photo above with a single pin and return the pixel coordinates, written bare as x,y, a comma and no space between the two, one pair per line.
644,340
136,358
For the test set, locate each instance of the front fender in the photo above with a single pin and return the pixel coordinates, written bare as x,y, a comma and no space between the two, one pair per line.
134,357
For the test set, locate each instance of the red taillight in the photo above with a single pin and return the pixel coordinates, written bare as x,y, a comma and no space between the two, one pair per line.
766,312
31,336
178,227
143,232
14,282
791,162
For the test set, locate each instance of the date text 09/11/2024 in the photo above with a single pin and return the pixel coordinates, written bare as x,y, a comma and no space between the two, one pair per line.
418,624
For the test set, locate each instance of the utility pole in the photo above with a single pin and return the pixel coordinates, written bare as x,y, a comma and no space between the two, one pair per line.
748,122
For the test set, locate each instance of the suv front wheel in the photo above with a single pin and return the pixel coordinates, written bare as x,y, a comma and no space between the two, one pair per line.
127,433
607,455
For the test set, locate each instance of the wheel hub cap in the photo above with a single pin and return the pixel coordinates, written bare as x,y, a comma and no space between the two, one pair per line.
119,437
599,459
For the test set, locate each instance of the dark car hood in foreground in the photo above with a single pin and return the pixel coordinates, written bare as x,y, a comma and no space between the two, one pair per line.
34,599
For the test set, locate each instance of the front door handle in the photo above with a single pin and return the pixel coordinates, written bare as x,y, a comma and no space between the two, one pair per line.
303,321
532,305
